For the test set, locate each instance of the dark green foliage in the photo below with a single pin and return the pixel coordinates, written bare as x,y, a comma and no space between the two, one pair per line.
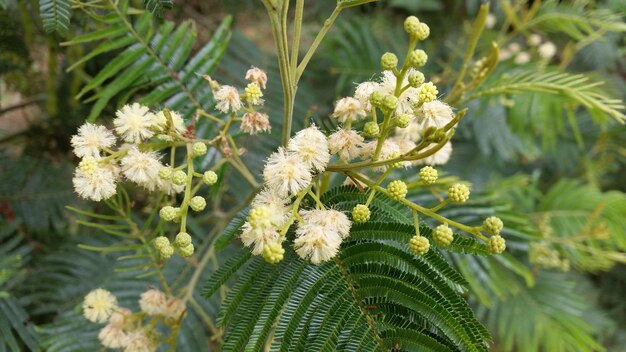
157,7
55,15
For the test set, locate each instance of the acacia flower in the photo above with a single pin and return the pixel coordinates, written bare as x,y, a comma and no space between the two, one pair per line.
152,302
112,336
346,144
91,139
434,114
440,157
363,92
142,168
276,206
407,98
258,237
98,305
138,341
255,122
286,174
228,99
160,122
95,182
257,75
348,109
311,146
133,123
317,238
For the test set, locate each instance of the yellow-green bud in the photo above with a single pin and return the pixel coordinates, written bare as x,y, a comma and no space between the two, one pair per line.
186,251
423,31
493,225
411,25
179,177
419,245
428,175
183,239
428,92
371,129
161,242
496,244
397,189
377,98
397,164
458,193
259,217
197,203
253,93
390,102
361,213
416,79
198,149
168,213
443,235
166,251
273,252
418,58
389,61
403,120
209,177
88,165
165,172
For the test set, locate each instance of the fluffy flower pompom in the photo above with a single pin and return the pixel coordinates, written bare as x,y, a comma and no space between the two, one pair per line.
257,76
152,302
285,174
345,143
138,341
98,305
112,336
348,109
91,139
258,237
434,114
96,183
228,99
255,122
133,123
442,156
407,99
363,92
142,168
310,146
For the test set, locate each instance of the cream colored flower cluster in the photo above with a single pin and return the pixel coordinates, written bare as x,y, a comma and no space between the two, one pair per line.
523,53
126,330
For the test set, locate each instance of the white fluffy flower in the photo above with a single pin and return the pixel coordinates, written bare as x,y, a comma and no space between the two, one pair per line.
258,237
112,336
119,317
348,109
522,58
363,92
257,75
311,146
490,21
138,341
332,220
434,114
407,99
96,183
174,308
534,39
133,123
168,187
547,50
228,99
255,122
152,302
388,151
504,54
91,139
514,47
315,240
345,143
142,168
160,122
412,132
405,146
98,305
440,157
276,206
286,174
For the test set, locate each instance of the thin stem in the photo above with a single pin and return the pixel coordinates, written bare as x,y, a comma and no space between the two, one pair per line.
316,42
295,46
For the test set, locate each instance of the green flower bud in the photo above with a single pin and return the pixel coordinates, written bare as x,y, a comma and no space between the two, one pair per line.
183,239
186,251
361,213
458,193
371,129
418,58
377,98
419,245
166,251
165,173
443,235
390,103
273,252
428,92
253,93
198,149
161,242
428,175
259,217
496,244
389,61
179,177
397,164
397,190
423,31
209,177
168,213
416,79
88,165
411,25
197,203
493,225
403,120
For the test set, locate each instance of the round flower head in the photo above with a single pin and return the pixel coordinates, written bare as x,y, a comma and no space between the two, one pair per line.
259,237
412,132
161,124
273,252
152,302
534,39
91,139
257,75
547,50
346,144
407,99
168,187
310,146
419,245
440,157
434,114
228,99
142,168
427,92
174,308
316,242
253,94
405,146
138,341
348,109
388,151
255,122
459,193
490,21
95,184
277,209
112,336
361,213
133,123
98,305
522,58
332,220
119,317
363,92
496,244
286,174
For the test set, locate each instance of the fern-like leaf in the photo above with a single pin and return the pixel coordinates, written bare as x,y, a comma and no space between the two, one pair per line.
55,15
157,7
